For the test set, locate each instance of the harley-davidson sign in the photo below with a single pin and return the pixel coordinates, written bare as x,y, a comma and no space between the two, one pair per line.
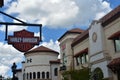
23,40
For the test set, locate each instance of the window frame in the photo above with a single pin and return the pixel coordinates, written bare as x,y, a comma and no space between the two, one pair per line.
34,75
82,59
47,75
38,75
43,75
118,38
30,75
55,71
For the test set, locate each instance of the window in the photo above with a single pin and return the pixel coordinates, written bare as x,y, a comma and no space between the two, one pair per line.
82,59
23,76
78,61
34,75
47,75
116,38
38,75
117,44
27,75
56,71
64,59
43,75
30,75
98,74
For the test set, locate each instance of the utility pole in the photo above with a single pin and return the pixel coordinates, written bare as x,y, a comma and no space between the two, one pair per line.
1,3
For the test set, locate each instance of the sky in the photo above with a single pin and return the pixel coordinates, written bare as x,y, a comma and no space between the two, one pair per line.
56,16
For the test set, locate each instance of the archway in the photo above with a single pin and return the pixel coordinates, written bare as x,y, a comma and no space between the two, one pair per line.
98,74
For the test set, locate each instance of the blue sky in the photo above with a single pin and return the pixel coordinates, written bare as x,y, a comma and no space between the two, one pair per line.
57,16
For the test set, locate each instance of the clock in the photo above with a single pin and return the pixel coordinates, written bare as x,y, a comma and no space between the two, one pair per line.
94,37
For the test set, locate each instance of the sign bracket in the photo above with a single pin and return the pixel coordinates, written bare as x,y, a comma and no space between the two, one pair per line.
22,23
6,29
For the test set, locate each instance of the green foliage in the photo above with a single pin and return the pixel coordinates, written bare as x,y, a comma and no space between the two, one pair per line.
82,74
99,73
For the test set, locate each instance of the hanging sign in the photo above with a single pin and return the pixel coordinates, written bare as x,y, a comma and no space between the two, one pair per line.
23,40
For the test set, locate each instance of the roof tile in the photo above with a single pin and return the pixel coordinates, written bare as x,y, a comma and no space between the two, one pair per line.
41,49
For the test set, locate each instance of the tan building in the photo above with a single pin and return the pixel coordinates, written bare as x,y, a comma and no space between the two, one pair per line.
66,49
80,46
104,38
97,48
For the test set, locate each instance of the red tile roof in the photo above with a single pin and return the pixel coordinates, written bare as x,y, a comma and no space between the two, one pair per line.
111,16
84,51
41,49
115,35
114,64
80,38
75,30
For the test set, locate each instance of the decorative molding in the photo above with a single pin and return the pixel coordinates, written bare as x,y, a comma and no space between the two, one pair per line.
104,51
38,65
94,36
99,61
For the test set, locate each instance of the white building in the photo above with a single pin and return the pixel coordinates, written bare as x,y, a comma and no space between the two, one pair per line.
41,64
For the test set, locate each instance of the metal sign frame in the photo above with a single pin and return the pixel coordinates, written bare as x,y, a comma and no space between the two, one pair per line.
1,3
19,24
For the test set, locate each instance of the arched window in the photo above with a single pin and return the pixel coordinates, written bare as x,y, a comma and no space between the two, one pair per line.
34,75
47,75
43,75
27,75
56,72
98,74
30,75
38,75
23,76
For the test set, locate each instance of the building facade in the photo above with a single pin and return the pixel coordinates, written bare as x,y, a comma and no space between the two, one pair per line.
97,48
66,49
41,64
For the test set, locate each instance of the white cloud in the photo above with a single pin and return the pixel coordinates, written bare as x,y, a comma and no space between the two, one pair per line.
104,9
38,34
8,55
13,27
3,70
52,45
60,13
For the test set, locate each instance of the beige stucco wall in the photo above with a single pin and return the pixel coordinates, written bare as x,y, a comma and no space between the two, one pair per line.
109,30
66,41
79,47
40,63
